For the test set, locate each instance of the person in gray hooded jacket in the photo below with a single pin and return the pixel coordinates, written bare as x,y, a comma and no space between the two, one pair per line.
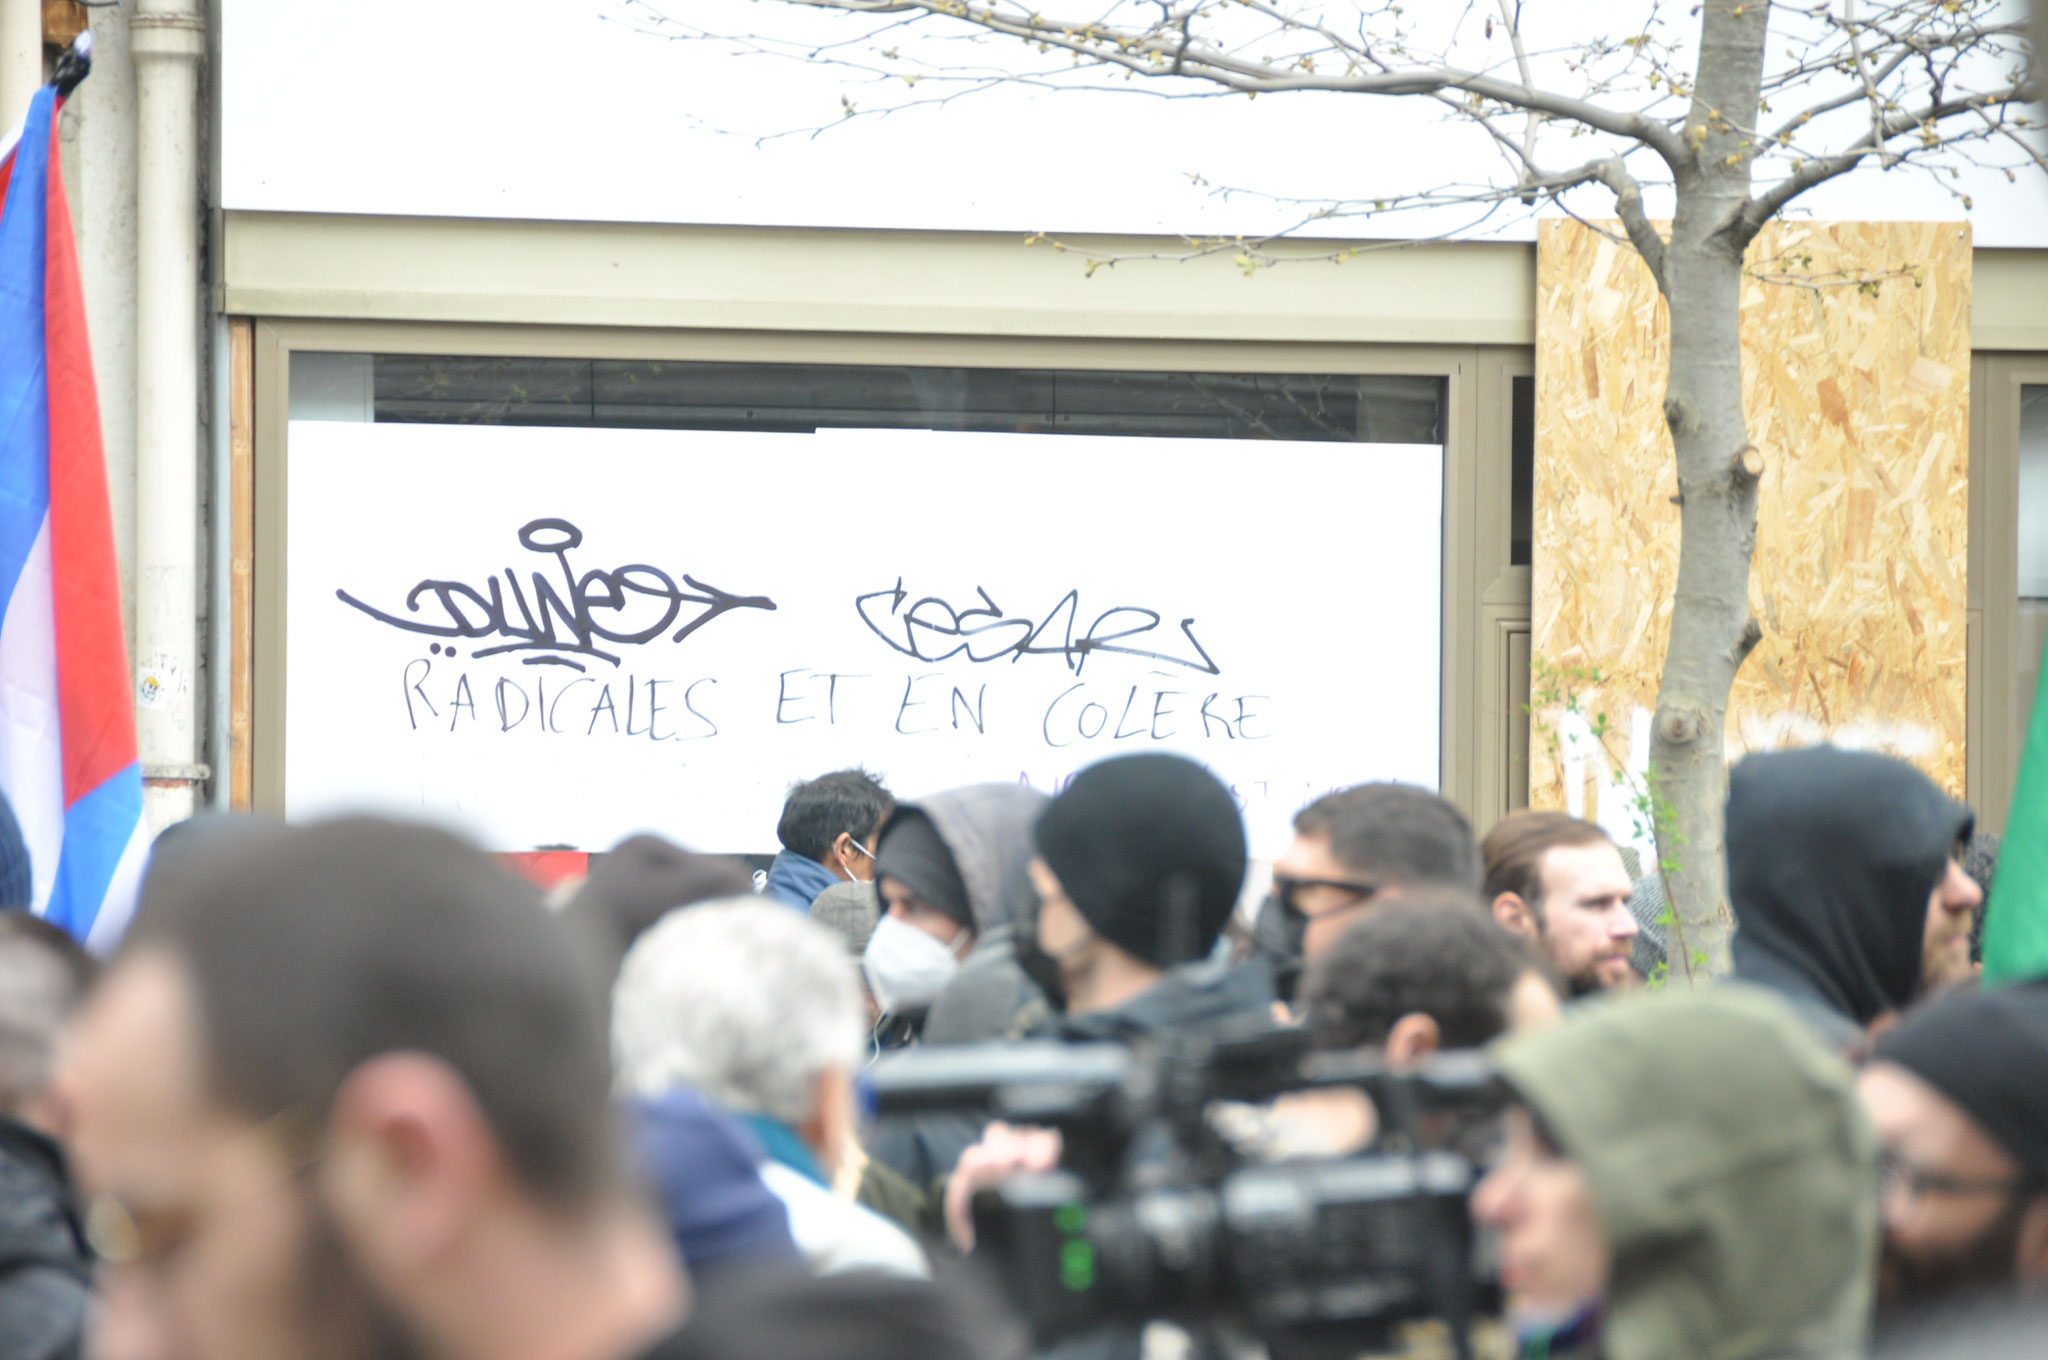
953,867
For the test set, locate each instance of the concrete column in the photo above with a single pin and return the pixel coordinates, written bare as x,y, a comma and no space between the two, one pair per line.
98,131
21,58
168,38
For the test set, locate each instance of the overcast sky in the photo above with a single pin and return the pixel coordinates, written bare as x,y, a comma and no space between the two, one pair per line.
561,109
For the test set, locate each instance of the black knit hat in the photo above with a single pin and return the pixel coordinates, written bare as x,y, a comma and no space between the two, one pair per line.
1150,850
911,851
1988,1053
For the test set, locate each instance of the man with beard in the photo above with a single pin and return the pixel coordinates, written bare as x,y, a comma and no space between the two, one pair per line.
1958,1091
1849,898
1559,883
343,1093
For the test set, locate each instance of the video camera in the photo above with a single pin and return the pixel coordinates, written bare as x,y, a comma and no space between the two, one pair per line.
1156,1213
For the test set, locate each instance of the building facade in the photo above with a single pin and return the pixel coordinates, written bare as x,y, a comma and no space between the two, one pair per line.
281,308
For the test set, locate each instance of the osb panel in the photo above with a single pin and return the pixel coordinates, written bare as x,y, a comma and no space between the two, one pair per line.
1858,399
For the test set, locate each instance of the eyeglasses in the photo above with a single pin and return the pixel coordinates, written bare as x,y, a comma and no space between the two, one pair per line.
867,853
122,1232
1896,1175
1287,892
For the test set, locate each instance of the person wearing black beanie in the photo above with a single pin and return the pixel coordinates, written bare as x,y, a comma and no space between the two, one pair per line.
1958,1091
1139,864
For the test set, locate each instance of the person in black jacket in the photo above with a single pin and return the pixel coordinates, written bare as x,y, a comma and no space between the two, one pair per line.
1848,895
1139,864
45,1267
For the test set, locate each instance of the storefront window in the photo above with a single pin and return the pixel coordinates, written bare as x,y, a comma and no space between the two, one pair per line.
504,607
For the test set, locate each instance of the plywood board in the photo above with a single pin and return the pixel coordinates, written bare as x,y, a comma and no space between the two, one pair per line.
1856,363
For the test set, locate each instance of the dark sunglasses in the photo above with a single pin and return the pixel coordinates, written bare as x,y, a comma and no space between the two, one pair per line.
1287,892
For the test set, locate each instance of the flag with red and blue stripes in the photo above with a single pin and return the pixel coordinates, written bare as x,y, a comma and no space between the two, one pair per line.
68,759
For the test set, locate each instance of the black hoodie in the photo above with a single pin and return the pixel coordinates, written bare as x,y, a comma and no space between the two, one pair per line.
45,1268
1832,857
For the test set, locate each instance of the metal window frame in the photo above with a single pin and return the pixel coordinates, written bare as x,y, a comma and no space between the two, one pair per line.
1993,733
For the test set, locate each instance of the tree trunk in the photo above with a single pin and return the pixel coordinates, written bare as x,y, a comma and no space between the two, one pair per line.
1712,629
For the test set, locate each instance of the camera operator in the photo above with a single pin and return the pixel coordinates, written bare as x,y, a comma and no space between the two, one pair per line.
1417,976
1686,1176
1430,971
1139,863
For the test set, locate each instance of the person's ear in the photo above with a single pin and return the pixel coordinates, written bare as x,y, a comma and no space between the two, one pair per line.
1514,915
411,1163
1414,1037
2030,1263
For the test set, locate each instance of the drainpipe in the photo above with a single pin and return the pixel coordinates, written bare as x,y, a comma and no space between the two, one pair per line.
21,58
168,39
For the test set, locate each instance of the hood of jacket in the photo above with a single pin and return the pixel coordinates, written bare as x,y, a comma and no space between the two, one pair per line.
987,827
1832,857
797,879
704,1169
1731,1165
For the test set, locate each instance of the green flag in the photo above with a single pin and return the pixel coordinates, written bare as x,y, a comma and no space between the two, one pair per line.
2016,925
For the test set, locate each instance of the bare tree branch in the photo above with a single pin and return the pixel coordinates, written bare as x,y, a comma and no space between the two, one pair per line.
1766,205
1628,205
1875,99
1150,53
1509,17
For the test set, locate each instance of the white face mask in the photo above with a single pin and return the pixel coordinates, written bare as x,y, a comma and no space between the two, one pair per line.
905,967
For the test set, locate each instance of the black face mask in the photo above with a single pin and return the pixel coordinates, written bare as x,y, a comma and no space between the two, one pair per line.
1279,936
1042,968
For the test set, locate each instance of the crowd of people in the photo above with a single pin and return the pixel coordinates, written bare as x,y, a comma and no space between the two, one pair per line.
355,1089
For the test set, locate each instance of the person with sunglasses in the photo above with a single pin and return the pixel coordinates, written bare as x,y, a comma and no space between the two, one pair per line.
1353,849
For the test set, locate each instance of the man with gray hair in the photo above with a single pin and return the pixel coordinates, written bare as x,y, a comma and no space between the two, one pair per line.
759,1009
45,1270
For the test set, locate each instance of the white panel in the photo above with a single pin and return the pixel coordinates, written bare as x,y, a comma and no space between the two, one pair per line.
545,109
1309,574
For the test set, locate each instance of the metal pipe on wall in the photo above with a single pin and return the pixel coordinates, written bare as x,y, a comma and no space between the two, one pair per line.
168,38
21,58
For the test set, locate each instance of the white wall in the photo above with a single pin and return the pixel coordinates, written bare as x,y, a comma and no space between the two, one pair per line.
560,109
